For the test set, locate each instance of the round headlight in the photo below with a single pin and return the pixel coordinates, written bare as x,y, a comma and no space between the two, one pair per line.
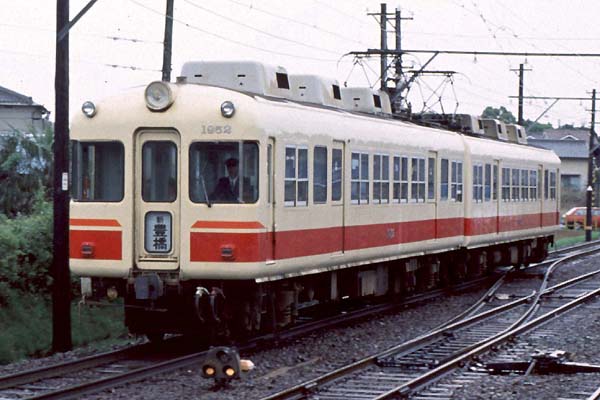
89,109
158,96
227,109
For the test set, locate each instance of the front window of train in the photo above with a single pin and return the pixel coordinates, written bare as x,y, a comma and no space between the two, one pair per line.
97,171
224,172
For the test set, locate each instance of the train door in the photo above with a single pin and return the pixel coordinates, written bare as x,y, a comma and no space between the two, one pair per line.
157,200
338,197
538,191
496,191
432,174
271,197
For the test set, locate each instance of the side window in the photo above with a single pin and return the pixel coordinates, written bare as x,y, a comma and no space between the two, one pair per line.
533,185
553,185
296,177
524,184
495,183
456,183
515,184
97,169
431,178
477,183
444,180
381,179
360,178
506,184
396,180
336,174
546,182
418,179
404,180
487,184
320,175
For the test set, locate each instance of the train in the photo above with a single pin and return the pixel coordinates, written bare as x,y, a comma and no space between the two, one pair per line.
232,199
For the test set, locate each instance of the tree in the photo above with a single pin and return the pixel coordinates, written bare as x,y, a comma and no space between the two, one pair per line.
532,126
501,114
25,170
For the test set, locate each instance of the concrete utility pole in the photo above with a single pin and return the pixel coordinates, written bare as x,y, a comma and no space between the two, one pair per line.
521,71
61,285
590,187
383,25
168,42
61,279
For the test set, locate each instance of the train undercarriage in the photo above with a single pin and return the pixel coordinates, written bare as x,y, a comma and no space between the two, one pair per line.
158,302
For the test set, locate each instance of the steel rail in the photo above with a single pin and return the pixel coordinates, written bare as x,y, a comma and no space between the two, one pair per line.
300,390
595,395
196,358
20,378
438,372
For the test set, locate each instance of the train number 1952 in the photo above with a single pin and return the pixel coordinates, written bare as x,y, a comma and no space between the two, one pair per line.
216,129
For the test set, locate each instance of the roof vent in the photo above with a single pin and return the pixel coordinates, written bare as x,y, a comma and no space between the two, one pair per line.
366,100
495,129
245,76
516,133
315,89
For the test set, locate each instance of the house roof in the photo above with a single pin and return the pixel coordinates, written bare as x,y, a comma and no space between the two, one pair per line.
566,134
563,148
12,98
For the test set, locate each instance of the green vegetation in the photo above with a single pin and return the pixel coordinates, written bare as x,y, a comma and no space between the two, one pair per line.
573,240
26,255
27,326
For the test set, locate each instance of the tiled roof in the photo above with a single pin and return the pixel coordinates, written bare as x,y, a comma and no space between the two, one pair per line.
563,148
566,134
7,96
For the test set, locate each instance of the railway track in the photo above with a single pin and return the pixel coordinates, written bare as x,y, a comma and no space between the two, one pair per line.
409,367
108,370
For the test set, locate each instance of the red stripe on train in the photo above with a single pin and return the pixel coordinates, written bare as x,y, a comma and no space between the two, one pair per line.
106,245
257,247
93,222
228,225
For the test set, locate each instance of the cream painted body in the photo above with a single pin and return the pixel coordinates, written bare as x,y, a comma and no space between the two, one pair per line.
124,118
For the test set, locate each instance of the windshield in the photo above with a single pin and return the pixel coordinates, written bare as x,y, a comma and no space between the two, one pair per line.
224,172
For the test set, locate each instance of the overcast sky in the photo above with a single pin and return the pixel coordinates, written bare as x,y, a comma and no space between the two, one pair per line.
311,36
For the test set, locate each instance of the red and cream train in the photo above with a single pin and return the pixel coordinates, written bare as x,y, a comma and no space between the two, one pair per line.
241,194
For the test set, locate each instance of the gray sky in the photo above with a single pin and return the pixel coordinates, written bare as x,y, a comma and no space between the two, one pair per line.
311,36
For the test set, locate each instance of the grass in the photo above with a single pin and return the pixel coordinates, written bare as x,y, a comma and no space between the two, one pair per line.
26,322
572,240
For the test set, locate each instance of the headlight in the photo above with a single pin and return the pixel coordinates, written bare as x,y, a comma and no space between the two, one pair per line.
89,109
227,109
158,96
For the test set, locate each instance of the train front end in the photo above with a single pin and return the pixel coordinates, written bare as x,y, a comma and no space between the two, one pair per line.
165,208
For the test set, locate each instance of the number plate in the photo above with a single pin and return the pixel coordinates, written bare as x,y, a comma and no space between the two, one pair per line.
158,232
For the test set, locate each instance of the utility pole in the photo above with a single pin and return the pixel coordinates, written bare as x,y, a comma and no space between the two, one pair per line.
383,26
397,94
168,42
521,70
398,27
590,188
61,279
61,285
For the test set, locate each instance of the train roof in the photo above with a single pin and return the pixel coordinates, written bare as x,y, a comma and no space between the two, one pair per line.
195,104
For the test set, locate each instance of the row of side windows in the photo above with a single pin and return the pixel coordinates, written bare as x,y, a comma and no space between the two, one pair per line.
525,185
410,179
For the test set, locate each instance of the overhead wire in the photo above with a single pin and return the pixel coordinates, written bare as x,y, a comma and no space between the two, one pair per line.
252,7
89,34
230,40
248,26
